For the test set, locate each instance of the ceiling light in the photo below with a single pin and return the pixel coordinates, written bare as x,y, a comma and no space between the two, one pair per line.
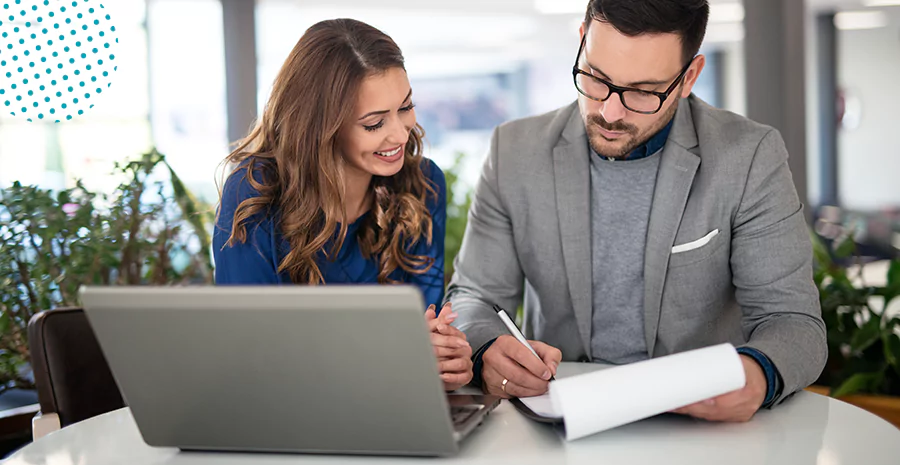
727,12
854,20
881,2
553,7
718,12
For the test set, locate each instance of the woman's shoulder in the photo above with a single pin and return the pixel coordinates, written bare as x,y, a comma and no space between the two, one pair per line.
239,188
434,174
435,177
238,185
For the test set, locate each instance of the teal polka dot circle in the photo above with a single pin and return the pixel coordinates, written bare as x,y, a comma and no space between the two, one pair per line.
32,59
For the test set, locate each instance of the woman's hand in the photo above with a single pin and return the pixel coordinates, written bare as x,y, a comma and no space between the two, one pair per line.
453,352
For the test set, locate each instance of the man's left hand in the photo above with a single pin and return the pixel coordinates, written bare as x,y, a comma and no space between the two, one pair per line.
735,406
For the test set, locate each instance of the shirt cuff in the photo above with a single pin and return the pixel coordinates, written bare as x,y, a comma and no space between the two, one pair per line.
773,379
478,363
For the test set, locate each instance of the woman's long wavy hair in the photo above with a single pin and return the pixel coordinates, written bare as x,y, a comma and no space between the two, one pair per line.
293,161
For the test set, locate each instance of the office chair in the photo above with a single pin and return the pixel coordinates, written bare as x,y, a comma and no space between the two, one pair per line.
72,376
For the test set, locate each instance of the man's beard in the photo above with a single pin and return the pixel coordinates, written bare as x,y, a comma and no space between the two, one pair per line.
635,138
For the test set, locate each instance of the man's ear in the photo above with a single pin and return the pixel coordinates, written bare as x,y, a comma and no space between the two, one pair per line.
690,78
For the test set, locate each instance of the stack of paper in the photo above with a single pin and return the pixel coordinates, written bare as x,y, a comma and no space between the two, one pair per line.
594,402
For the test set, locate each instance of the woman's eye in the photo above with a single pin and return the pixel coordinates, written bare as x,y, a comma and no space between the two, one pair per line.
374,127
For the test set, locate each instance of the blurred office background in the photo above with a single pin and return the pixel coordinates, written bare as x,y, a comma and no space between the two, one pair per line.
195,73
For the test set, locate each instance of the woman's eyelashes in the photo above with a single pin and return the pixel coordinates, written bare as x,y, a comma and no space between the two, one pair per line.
374,127
380,124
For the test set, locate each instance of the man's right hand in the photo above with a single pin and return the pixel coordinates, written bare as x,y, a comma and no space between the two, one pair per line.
507,359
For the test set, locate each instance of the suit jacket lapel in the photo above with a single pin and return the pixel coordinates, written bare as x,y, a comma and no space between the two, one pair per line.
571,167
677,168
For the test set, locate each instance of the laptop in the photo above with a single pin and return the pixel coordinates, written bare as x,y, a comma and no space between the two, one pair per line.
309,369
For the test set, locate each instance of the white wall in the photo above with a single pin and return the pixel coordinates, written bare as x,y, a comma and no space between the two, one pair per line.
869,156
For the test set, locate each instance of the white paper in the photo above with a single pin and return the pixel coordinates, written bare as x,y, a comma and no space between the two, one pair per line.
543,405
594,402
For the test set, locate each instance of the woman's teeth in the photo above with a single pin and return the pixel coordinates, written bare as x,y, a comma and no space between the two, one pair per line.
389,154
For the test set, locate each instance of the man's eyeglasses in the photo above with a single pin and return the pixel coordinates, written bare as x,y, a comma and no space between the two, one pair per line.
637,100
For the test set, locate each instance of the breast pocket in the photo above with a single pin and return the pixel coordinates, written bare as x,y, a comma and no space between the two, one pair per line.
699,275
696,250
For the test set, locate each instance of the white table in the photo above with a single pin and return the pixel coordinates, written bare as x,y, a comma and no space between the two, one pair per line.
808,429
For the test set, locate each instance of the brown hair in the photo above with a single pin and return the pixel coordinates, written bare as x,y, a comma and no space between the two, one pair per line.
292,159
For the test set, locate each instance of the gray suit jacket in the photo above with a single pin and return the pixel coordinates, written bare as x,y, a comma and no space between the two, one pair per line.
529,235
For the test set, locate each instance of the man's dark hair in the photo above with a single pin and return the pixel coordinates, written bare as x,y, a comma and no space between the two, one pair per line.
687,18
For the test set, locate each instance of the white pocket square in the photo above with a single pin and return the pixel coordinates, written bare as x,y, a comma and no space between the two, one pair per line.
695,244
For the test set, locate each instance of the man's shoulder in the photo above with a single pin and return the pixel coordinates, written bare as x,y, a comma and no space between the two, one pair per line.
720,129
732,147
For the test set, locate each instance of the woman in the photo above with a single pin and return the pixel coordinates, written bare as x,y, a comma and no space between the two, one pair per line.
331,186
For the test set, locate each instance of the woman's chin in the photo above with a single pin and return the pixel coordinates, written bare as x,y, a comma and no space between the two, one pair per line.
386,169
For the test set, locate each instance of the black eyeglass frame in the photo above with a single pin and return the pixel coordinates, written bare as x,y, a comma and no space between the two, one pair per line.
614,89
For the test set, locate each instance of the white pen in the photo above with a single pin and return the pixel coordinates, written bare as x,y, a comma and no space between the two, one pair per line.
514,330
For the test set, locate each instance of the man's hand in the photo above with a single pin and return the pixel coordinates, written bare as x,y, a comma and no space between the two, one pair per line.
450,347
525,375
736,406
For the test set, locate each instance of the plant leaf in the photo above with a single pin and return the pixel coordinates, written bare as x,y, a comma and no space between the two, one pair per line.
893,276
858,382
892,289
189,206
889,295
867,334
820,251
4,321
846,248
895,321
892,350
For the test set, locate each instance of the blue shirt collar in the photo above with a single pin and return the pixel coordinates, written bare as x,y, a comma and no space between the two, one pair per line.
655,144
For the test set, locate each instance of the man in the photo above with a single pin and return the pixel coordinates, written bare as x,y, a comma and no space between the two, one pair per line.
640,222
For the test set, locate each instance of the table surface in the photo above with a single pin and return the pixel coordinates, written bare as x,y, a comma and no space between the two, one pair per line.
807,429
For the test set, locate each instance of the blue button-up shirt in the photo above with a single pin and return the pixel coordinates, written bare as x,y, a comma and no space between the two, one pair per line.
256,261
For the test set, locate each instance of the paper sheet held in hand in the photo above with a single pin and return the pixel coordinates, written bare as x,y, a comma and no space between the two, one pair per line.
593,402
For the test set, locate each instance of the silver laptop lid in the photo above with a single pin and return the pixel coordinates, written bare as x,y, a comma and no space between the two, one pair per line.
346,369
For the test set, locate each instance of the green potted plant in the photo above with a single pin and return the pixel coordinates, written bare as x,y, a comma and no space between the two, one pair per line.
151,230
863,344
